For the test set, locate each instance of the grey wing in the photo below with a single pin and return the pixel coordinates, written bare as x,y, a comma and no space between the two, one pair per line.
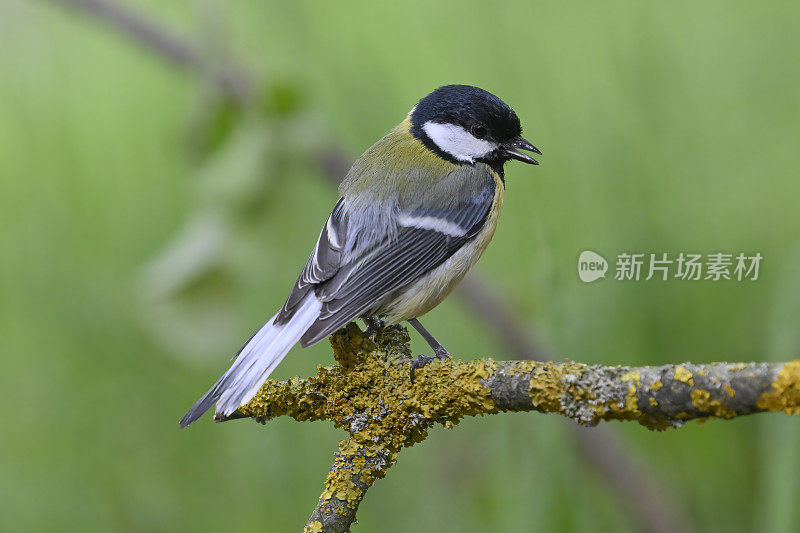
323,264
426,237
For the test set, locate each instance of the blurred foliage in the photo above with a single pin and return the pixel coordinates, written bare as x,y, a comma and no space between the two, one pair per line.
148,226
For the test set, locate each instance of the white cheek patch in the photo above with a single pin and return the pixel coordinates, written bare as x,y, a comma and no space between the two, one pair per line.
457,141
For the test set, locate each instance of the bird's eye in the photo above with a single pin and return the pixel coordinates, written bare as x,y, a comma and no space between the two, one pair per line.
478,130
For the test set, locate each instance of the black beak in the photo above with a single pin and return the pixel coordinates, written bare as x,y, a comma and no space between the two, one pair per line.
511,149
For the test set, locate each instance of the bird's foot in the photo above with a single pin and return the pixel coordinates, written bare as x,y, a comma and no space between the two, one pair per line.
374,324
422,360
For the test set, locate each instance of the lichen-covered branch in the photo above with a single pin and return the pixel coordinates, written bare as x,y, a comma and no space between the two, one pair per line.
657,397
369,395
356,467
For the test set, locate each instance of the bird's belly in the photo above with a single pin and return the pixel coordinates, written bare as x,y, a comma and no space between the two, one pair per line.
428,291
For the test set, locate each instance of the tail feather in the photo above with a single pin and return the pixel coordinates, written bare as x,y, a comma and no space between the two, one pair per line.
255,362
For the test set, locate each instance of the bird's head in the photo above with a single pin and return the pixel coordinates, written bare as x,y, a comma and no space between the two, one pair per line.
465,125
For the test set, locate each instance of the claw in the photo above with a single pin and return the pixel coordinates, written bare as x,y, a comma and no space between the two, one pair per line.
419,362
423,360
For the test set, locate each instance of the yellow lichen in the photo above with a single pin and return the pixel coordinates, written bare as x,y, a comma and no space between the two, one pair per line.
548,383
522,367
684,375
326,494
348,447
313,527
702,372
351,493
785,393
729,390
631,402
656,385
632,376
737,366
705,403
628,411
653,402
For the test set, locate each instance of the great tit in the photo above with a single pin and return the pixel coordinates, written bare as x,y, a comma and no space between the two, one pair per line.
417,210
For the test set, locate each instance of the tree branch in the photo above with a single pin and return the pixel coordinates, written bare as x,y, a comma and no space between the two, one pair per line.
233,82
369,395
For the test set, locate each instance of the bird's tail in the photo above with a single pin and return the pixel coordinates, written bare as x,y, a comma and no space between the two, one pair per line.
256,360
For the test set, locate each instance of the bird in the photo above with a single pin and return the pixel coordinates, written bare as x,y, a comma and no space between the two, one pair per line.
415,213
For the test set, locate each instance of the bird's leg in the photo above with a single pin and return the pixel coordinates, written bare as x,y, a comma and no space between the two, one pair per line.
439,351
373,325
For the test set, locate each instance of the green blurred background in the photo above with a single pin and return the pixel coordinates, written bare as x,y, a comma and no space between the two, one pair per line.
148,225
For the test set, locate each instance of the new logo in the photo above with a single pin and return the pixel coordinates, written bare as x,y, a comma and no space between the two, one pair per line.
591,266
